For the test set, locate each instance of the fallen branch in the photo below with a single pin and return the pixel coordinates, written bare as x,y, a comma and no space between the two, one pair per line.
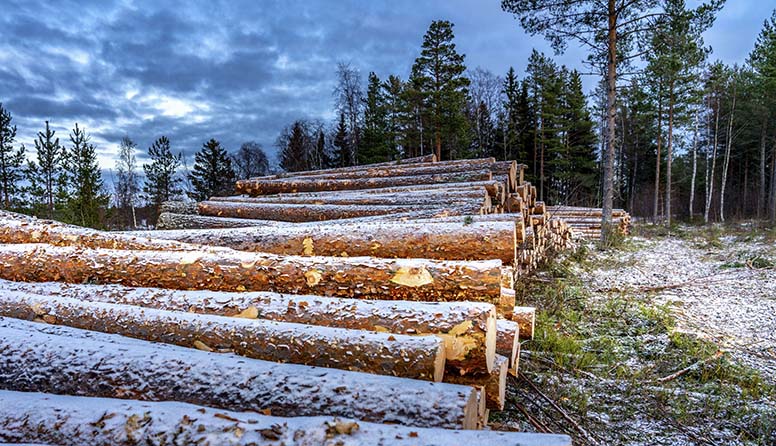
694,366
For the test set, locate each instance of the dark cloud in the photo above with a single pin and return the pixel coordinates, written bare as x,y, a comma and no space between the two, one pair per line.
241,70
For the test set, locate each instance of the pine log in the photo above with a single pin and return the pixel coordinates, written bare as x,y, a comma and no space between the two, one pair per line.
179,207
317,212
495,383
56,359
508,341
267,187
415,160
416,197
413,239
467,328
17,228
418,357
228,270
77,420
413,188
169,220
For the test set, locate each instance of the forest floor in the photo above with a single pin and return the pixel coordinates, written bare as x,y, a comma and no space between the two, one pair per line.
667,338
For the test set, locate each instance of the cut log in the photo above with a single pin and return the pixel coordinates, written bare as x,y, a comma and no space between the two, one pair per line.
17,228
228,270
508,341
268,187
468,328
417,197
76,420
47,358
412,239
315,212
526,319
418,357
415,160
179,207
169,220
495,383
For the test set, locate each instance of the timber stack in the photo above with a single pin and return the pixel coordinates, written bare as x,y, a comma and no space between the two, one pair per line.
292,332
586,222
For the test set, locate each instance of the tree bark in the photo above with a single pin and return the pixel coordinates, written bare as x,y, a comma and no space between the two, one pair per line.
669,154
426,159
420,197
468,329
495,383
55,419
611,112
772,210
226,270
762,199
168,220
64,360
412,239
268,187
417,357
694,166
727,157
656,197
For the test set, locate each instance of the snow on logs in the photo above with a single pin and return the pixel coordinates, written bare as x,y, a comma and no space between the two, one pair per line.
495,383
313,184
229,270
57,419
468,329
418,357
454,240
170,220
56,359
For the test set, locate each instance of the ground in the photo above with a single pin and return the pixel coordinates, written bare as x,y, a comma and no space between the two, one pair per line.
666,338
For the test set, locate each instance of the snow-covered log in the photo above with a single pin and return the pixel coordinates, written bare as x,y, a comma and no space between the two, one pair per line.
179,207
457,240
228,270
300,184
56,359
74,420
418,357
468,328
508,341
409,198
414,160
495,383
169,220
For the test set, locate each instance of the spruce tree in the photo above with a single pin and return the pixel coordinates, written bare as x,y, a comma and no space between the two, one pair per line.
341,144
11,162
295,148
374,146
87,203
213,174
46,177
162,181
440,72
579,174
510,139
393,88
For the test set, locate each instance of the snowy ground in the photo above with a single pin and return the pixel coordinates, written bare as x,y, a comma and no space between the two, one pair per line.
669,339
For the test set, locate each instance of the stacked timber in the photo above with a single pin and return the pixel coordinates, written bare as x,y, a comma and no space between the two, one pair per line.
586,222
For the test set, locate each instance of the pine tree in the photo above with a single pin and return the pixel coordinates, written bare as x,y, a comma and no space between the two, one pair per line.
46,177
250,161
440,72
394,106
510,143
374,146
87,202
763,60
162,181
341,144
579,173
127,187
295,148
11,162
213,174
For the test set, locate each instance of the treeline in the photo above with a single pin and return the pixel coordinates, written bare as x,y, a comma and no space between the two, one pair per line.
445,108
63,181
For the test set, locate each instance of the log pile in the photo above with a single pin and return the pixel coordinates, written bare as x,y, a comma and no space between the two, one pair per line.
382,293
586,222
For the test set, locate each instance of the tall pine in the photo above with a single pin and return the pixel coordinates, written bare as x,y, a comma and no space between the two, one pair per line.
46,176
87,202
11,162
162,181
374,146
213,174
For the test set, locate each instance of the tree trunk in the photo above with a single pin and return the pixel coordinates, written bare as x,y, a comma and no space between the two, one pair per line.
727,157
656,197
694,166
226,270
55,419
772,208
418,197
44,358
611,109
762,199
412,239
269,187
467,328
417,357
168,220
669,154
710,193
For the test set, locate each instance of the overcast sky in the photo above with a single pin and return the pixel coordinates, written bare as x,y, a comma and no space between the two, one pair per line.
240,71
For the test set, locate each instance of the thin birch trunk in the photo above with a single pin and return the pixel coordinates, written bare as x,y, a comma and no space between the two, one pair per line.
727,157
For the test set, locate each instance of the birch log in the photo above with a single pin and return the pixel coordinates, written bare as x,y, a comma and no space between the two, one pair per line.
228,270
316,212
268,187
456,240
418,357
47,358
467,328
495,383
75,420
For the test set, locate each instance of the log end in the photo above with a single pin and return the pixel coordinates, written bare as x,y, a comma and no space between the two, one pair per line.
439,362
491,335
471,416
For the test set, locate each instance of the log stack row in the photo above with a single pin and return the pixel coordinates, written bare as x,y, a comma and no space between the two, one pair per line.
586,222
239,338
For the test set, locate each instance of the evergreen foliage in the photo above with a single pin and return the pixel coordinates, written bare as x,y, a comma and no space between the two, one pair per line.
11,163
87,202
213,174
162,181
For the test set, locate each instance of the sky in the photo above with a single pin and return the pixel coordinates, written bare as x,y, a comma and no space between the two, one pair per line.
240,71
